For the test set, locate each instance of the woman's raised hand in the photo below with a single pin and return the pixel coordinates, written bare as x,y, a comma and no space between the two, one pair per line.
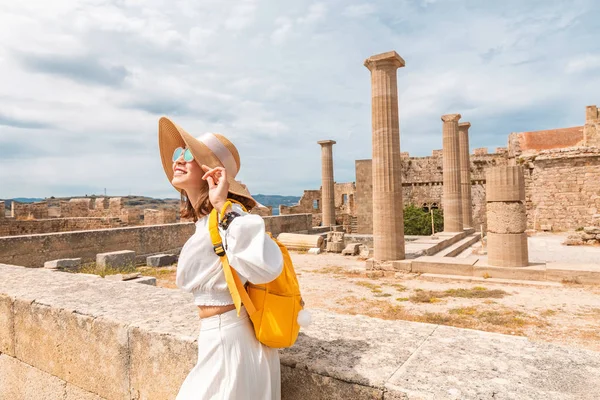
218,187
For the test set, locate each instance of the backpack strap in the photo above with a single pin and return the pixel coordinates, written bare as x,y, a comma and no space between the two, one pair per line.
236,288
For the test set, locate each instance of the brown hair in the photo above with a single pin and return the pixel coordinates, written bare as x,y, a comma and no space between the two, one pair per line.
205,206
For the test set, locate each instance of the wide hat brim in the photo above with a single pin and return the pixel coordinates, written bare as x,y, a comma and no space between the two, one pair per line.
171,136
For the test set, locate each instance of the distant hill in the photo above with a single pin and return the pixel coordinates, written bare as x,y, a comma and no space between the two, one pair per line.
142,202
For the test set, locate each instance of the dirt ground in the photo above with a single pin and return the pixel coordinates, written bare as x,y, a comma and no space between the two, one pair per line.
567,315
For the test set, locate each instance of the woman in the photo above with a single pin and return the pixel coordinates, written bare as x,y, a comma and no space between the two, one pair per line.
232,363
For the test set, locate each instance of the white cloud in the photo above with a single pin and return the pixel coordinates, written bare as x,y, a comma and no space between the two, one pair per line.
284,28
582,64
359,10
316,12
275,77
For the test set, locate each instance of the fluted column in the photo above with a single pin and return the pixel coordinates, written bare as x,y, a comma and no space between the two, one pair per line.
388,216
506,217
327,190
465,174
453,220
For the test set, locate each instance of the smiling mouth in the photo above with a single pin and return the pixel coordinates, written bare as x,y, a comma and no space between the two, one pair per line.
179,172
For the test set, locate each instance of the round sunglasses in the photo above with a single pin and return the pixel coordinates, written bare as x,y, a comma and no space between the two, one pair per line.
187,154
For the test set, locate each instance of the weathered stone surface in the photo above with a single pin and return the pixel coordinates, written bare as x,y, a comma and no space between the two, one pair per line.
19,381
161,260
295,241
122,277
7,337
66,344
506,217
144,240
593,230
335,247
159,362
506,367
63,263
314,250
351,249
507,250
115,259
145,280
297,384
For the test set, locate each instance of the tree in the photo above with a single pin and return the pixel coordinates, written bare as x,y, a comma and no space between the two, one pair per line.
418,221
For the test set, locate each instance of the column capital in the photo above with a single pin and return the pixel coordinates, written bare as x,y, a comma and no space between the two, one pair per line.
390,59
326,142
450,117
464,125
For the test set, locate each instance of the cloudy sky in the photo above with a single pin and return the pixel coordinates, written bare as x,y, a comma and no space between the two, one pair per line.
83,83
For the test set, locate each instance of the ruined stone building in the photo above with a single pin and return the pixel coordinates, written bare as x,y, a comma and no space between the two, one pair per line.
562,180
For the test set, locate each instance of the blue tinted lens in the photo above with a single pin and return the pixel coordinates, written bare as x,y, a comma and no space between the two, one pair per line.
177,153
188,156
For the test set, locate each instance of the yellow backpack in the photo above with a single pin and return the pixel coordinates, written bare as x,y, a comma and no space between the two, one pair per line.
273,307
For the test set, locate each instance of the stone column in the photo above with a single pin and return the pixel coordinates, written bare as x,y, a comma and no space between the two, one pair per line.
453,219
506,217
591,129
327,190
465,174
388,215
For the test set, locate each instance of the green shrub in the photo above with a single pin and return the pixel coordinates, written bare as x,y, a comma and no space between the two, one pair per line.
418,221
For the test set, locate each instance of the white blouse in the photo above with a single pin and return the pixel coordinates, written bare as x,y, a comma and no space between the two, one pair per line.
251,252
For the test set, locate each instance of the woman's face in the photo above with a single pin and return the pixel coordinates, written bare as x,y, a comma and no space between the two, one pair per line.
187,175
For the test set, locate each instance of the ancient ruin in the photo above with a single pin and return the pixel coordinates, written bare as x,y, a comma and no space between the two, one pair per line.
327,181
388,221
452,203
465,174
506,217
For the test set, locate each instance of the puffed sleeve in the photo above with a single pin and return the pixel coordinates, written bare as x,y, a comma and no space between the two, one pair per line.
250,250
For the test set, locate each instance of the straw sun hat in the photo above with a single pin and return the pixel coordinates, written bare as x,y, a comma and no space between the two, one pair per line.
211,149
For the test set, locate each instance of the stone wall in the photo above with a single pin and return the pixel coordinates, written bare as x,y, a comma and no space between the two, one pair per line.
34,250
80,337
298,223
307,203
76,208
562,187
422,185
13,227
2,210
37,210
158,217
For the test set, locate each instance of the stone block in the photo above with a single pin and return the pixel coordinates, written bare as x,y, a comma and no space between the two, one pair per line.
364,251
122,277
335,247
87,351
546,228
63,263
592,230
302,384
443,265
314,250
506,217
115,259
7,337
507,250
351,249
19,381
146,280
161,260
402,265
159,363
505,183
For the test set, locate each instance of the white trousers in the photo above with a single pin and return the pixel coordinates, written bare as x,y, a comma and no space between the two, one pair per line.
232,363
